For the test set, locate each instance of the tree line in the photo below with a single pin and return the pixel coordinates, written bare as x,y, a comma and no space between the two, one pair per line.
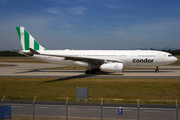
15,54
173,52
10,54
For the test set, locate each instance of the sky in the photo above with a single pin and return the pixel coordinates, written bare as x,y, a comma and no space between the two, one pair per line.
92,24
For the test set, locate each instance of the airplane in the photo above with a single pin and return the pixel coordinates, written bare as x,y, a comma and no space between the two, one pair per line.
93,60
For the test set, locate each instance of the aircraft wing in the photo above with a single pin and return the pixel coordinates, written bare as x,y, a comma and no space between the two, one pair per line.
85,59
79,58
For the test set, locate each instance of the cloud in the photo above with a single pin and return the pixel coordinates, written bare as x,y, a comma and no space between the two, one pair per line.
71,11
76,11
111,6
86,1
54,10
66,26
3,2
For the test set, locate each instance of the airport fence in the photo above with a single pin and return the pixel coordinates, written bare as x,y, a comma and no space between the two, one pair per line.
85,112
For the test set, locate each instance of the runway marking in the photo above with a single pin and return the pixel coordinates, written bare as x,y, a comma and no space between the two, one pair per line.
126,110
93,109
16,106
69,108
151,111
42,107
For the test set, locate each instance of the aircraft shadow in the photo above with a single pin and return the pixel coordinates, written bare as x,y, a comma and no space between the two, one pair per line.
69,78
46,70
82,76
9,65
38,70
61,70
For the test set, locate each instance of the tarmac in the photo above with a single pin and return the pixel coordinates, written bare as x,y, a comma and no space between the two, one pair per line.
92,110
47,70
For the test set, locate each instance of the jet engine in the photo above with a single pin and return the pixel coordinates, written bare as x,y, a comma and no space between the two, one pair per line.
112,67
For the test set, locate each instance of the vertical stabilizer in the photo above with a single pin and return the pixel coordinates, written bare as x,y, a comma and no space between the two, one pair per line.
27,41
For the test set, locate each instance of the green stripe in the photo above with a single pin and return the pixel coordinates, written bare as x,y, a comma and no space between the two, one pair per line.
18,31
36,45
26,39
45,49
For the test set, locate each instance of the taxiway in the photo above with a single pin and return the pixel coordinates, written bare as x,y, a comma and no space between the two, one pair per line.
53,70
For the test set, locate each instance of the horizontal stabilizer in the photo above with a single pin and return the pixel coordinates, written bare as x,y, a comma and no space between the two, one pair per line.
21,52
33,51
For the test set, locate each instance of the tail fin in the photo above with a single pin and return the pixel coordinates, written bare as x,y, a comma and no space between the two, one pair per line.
27,41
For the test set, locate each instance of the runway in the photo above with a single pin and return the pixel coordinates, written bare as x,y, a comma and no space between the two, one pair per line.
92,110
41,70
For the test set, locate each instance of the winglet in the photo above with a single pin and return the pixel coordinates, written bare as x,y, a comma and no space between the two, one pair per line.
33,51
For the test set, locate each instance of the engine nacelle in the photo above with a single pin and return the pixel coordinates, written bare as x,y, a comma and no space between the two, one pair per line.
112,67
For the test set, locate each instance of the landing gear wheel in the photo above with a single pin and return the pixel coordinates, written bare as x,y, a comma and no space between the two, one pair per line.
93,71
97,69
87,71
157,69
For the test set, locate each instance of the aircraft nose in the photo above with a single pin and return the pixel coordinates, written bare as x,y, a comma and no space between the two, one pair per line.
175,59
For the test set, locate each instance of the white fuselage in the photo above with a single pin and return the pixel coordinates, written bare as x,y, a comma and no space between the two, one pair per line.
127,57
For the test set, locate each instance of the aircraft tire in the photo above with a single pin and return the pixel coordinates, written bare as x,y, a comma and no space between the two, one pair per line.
87,72
93,71
97,69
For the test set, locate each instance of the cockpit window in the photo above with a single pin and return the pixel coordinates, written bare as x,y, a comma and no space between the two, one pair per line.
169,55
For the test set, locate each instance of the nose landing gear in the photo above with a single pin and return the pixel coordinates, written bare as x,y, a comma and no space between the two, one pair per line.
157,69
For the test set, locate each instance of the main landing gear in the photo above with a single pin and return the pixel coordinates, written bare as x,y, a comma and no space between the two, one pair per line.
157,69
93,71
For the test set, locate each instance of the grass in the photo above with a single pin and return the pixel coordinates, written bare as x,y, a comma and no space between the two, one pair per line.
112,90
20,60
